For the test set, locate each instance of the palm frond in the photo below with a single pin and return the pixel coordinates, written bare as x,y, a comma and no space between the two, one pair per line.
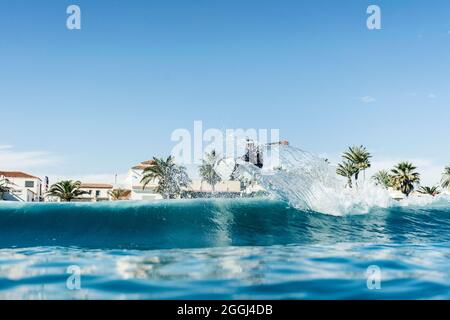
432,191
382,178
445,181
347,170
119,194
67,190
207,171
171,178
404,177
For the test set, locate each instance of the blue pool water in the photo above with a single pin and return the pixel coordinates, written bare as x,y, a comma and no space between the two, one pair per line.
222,249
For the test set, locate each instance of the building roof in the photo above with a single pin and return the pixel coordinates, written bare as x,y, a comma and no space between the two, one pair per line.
96,186
17,174
144,165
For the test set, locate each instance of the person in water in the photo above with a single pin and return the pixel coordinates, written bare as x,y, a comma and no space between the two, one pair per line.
254,153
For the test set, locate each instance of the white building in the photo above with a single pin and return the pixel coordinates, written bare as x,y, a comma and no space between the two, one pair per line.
95,192
24,187
134,178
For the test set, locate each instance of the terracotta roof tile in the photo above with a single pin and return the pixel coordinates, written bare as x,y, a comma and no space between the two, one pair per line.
144,165
17,174
96,186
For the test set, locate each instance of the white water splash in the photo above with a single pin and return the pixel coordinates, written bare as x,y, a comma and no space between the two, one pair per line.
308,182
426,201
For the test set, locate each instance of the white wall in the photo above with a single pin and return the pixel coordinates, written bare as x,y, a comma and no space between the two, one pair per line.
134,184
147,195
22,193
103,194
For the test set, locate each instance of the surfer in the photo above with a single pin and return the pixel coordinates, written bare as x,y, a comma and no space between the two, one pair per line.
227,168
254,153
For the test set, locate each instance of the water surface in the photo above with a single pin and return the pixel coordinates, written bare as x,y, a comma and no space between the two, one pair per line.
222,249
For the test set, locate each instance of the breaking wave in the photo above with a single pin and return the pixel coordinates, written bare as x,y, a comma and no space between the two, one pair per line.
308,204
307,182
211,223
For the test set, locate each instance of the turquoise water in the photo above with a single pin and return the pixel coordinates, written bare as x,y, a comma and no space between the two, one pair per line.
222,249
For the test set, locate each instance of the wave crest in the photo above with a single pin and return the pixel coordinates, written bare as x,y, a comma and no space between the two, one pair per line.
308,182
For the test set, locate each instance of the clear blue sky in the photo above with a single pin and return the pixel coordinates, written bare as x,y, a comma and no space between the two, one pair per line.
109,95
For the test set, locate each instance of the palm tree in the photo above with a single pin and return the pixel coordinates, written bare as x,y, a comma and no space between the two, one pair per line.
347,170
445,182
404,177
171,178
66,191
432,191
382,178
360,158
119,194
4,187
207,171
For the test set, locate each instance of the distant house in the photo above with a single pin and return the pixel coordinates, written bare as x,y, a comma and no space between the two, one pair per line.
134,178
24,187
96,192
